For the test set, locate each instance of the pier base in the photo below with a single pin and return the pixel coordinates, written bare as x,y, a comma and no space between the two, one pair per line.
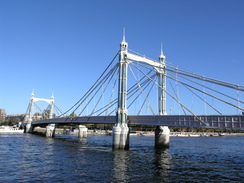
50,130
162,137
28,128
82,131
121,137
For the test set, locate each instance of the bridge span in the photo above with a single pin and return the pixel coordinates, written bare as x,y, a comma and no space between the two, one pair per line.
98,104
235,122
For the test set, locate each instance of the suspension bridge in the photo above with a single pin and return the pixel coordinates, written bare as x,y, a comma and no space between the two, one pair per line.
115,99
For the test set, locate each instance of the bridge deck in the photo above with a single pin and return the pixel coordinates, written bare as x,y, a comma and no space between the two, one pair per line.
202,121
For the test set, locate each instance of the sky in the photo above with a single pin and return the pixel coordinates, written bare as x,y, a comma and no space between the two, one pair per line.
61,47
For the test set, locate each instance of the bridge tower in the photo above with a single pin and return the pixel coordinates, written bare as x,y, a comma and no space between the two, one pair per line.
162,85
121,130
51,103
162,132
28,128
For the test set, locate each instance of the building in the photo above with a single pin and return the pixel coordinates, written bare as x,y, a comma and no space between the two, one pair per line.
2,115
20,117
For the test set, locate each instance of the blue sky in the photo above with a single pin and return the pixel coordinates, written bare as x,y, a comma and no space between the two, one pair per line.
62,46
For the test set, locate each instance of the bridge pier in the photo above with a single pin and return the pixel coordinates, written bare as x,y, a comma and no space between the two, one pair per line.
120,137
162,137
28,128
50,130
82,131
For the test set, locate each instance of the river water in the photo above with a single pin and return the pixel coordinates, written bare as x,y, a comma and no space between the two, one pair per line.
66,158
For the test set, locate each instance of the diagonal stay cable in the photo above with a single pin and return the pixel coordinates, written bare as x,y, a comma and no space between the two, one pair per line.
207,79
213,90
112,94
142,91
208,94
199,97
144,84
177,101
111,76
96,87
58,109
92,85
131,91
202,91
177,96
147,94
191,74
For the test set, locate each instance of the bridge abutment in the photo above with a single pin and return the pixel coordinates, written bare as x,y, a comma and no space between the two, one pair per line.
82,131
162,137
120,137
50,130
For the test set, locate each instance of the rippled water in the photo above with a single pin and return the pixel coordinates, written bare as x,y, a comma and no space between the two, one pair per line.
33,158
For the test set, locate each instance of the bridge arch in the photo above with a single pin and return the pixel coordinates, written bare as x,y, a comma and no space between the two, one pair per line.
33,100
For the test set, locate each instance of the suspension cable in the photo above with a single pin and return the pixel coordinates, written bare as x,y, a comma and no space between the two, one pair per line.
92,85
176,95
212,89
208,94
201,98
177,100
112,71
145,96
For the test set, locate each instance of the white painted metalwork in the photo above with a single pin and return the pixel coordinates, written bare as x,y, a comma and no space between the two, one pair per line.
162,85
32,102
122,86
160,69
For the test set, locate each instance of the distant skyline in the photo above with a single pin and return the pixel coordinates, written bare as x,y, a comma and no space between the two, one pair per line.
60,47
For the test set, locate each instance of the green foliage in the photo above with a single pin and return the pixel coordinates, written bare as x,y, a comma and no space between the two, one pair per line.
73,114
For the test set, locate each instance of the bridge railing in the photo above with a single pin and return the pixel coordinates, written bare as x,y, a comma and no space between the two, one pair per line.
202,121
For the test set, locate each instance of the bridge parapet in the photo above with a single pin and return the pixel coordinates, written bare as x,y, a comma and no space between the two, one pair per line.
203,121
78,120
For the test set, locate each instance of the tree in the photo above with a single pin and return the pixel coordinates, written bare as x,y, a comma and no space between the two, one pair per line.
13,121
73,114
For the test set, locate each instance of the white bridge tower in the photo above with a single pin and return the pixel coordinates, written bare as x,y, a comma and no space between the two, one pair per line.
28,128
121,130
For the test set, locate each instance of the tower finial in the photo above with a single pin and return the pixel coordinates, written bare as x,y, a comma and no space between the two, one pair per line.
162,49
124,35
162,57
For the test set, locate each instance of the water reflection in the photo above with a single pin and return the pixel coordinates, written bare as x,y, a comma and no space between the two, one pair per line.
120,165
141,164
162,162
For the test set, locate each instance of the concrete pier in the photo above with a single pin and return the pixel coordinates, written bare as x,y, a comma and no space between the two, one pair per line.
28,128
82,133
162,137
120,137
50,130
